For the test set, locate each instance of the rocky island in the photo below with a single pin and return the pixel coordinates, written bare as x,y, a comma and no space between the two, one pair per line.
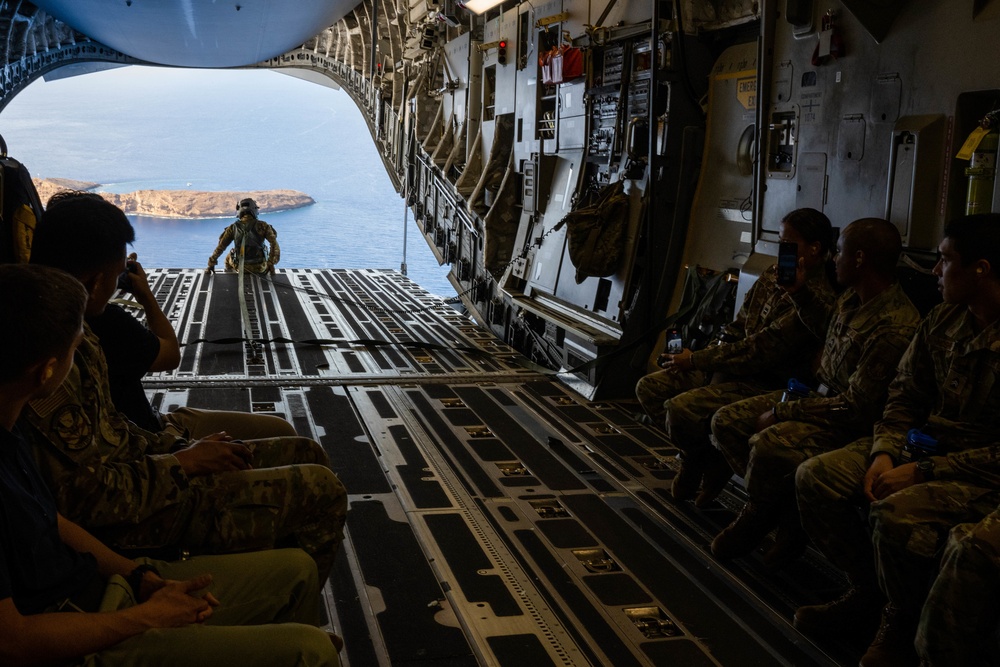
180,203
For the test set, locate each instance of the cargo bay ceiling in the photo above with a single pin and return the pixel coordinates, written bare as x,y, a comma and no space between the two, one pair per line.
370,49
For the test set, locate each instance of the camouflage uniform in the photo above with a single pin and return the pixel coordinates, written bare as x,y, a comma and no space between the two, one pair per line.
124,484
257,261
765,303
782,346
864,342
961,615
947,379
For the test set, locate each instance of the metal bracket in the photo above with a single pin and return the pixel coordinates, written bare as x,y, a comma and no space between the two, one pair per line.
549,509
512,468
549,20
596,560
652,622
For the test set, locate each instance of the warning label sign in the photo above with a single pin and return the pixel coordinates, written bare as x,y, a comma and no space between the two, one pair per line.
746,92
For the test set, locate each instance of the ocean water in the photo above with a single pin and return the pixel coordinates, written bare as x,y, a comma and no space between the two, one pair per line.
136,128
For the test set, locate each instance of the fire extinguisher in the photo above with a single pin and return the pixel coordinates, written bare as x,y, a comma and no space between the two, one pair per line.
982,169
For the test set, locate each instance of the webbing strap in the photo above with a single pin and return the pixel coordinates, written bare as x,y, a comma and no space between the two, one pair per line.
375,342
244,312
368,342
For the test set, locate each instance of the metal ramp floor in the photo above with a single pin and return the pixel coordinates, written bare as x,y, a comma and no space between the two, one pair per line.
496,517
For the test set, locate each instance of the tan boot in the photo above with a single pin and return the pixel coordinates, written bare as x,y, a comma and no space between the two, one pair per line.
717,475
790,540
854,614
893,645
744,534
688,478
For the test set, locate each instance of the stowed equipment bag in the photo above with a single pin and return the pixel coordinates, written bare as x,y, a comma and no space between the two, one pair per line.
596,232
20,210
561,63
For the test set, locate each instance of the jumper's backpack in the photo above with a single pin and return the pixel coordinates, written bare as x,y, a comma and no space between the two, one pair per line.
20,209
596,232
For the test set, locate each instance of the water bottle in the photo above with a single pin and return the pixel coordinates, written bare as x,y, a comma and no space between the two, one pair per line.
919,445
795,390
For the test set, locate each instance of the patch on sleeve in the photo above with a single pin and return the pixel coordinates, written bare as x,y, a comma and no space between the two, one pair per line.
72,426
45,407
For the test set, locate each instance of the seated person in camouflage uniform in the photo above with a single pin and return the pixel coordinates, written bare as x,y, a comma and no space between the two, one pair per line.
946,387
248,235
132,350
764,439
66,598
960,617
774,346
140,490
764,303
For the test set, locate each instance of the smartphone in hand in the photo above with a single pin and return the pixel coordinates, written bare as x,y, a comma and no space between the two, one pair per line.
675,344
788,263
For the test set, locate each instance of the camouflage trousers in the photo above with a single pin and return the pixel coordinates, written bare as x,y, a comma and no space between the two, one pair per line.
961,616
910,529
767,460
689,415
834,510
290,498
655,389
268,616
195,423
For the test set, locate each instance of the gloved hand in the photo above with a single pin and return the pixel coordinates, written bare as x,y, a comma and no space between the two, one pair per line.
210,268
270,268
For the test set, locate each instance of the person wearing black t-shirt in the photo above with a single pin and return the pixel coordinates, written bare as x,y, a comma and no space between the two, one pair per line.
55,576
132,350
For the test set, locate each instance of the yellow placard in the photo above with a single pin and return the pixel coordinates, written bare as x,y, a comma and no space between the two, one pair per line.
972,143
746,92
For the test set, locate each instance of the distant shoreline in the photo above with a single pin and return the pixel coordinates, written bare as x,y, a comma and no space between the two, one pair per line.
180,203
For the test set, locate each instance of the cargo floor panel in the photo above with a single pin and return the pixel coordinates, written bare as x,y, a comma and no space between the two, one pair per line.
497,518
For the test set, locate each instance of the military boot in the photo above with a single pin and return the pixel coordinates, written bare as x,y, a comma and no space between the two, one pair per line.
745,533
717,475
893,645
790,540
688,478
854,615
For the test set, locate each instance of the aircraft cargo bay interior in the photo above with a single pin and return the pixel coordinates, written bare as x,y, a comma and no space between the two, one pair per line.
495,516
719,384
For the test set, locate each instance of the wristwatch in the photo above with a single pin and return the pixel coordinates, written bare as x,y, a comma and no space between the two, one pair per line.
926,468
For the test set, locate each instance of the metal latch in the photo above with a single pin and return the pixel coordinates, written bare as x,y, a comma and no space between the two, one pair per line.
596,560
652,622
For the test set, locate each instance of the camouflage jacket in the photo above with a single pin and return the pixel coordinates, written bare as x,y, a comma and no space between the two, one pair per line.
864,343
261,232
767,336
104,471
949,380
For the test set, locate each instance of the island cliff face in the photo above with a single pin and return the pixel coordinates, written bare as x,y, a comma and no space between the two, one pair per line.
180,203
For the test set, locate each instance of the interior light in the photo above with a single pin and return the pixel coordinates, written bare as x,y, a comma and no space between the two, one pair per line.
480,6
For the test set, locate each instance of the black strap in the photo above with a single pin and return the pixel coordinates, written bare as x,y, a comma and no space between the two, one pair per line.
368,342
